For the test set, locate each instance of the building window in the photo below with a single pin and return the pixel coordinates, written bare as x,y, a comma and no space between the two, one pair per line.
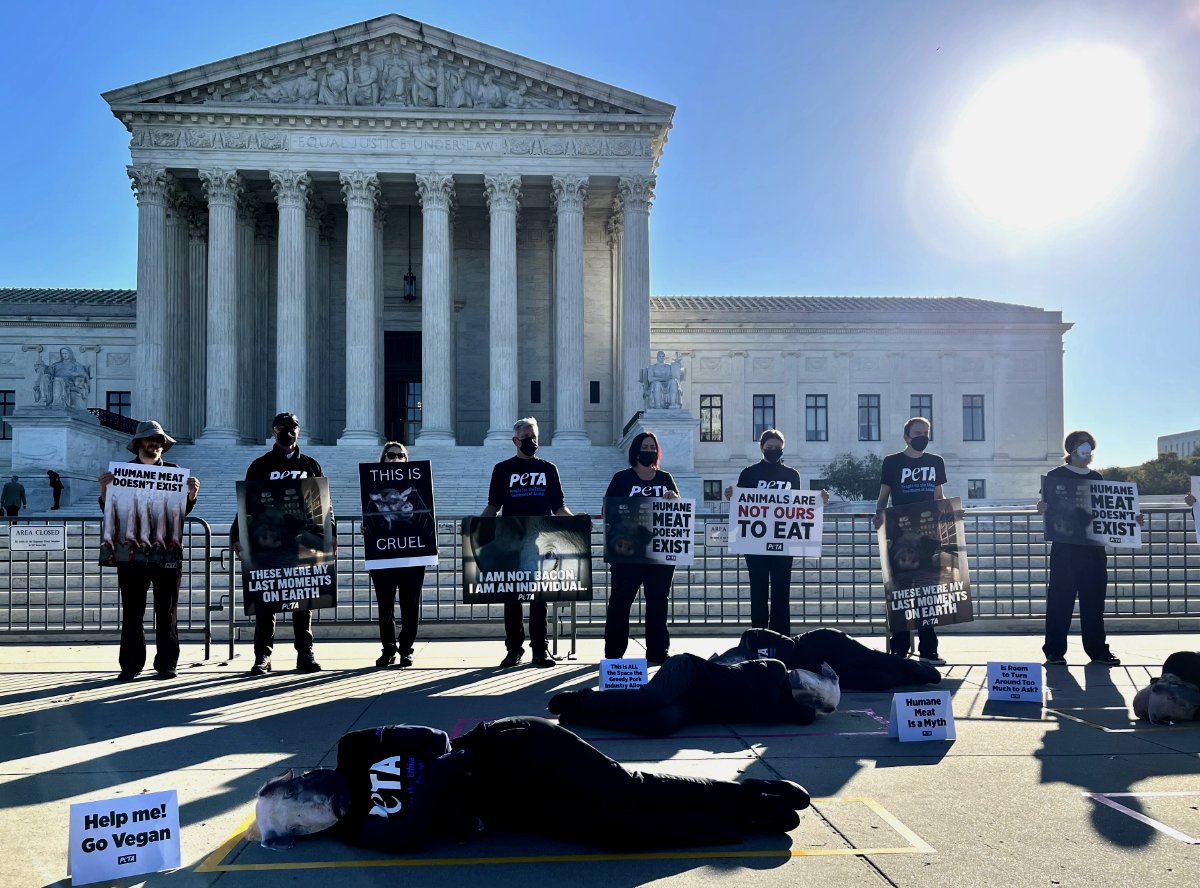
973,418
976,488
8,403
922,405
535,391
712,491
594,391
816,417
710,418
868,417
412,413
764,414
119,403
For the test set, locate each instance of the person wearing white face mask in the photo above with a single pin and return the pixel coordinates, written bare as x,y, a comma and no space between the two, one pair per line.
1077,571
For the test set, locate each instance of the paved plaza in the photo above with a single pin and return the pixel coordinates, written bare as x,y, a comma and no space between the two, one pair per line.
1071,794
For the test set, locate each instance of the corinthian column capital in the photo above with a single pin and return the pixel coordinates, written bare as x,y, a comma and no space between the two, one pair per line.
435,190
636,192
503,191
150,184
221,187
290,188
569,192
359,189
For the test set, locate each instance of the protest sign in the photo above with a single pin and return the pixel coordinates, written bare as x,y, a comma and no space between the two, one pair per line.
717,534
1196,506
924,564
1091,513
399,527
124,837
646,530
37,538
1015,681
287,545
623,674
144,508
776,522
925,715
527,559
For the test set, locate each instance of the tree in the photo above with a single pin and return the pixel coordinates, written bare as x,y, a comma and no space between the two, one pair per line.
853,477
1166,474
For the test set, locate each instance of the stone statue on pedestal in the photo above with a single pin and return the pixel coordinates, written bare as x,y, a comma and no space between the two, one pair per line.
70,382
660,383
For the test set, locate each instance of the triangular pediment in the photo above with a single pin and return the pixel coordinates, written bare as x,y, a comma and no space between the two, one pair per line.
389,64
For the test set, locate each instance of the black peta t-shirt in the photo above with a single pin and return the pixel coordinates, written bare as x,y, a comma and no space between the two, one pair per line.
912,480
525,487
627,484
765,475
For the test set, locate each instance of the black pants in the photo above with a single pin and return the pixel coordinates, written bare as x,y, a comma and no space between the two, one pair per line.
927,642
11,511
514,626
264,632
624,581
57,496
776,572
402,584
600,795
1076,572
859,668
134,582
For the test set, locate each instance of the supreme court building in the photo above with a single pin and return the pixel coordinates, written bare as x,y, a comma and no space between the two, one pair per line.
398,232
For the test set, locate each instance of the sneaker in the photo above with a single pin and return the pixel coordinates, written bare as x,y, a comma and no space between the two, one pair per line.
1056,661
788,792
165,673
306,662
544,660
923,672
386,659
935,660
1106,660
127,675
405,661
511,659
262,665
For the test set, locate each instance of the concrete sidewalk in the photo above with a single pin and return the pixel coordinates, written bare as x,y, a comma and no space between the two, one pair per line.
1004,805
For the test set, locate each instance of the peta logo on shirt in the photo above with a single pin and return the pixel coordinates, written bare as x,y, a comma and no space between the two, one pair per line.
773,485
918,475
527,479
290,473
649,490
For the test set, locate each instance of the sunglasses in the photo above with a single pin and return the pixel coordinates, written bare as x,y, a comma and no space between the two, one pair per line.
159,441
393,454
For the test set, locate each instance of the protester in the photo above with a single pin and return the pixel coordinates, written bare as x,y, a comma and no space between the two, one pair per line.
912,476
690,690
397,583
12,497
57,486
398,788
644,478
1175,696
1077,571
858,667
773,572
283,460
134,580
525,485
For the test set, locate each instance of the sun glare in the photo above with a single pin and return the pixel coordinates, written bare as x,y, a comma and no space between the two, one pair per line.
1048,142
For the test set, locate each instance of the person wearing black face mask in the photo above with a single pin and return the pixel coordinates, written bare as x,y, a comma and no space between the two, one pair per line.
525,485
773,572
912,476
643,479
284,460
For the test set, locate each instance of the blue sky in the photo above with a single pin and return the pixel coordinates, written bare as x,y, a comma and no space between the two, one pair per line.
804,159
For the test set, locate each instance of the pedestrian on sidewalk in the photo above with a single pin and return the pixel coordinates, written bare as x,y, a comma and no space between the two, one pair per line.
12,497
57,486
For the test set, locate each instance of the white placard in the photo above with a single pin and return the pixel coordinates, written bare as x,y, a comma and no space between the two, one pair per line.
1196,506
37,538
921,716
776,522
1014,682
622,675
124,837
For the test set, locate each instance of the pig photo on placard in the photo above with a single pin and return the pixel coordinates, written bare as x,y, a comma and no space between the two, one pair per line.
288,561
144,512
924,564
1090,512
399,525
527,559
647,530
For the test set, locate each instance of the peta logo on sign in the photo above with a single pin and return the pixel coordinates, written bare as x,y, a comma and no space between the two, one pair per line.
921,473
290,473
527,479
774,547
773,485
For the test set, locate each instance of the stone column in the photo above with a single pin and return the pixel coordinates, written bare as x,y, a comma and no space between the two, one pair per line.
569,194
150,185
222,189
175,311
291,307
614,231
197,358
377,311
361,191
249,336
637,193
315,366
503,196
435,191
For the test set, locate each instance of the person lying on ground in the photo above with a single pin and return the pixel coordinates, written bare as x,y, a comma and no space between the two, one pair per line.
1175,696
688,689
858,667
398,788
